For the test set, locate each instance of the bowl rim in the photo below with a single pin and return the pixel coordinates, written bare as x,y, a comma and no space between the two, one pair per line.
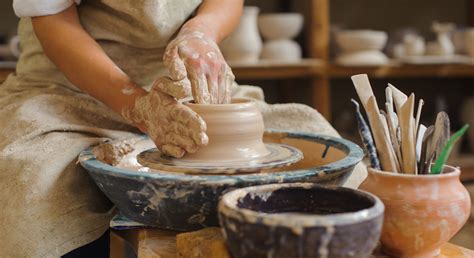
298,221
454,172
283,15
354,155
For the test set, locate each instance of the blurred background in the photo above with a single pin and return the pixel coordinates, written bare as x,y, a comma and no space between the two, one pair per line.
305,51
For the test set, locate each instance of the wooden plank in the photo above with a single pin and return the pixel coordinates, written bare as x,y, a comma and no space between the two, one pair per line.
319,26
403,71
321,99
277,70
153,243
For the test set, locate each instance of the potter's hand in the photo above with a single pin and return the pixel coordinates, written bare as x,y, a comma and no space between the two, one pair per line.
174,128
195,56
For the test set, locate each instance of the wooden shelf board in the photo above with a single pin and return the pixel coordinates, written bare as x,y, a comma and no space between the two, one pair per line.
277,70
404,71
316,68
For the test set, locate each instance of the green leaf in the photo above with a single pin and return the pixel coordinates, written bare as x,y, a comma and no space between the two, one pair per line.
439,164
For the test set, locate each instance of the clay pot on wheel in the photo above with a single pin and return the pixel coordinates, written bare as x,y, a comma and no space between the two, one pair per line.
235,131
422,212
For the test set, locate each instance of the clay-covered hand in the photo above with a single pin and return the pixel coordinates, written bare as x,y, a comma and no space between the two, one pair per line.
174,127
195,56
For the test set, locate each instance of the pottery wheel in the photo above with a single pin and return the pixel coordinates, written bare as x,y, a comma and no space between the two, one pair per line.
280,155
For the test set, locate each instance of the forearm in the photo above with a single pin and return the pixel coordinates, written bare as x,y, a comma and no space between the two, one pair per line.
83,61
217,18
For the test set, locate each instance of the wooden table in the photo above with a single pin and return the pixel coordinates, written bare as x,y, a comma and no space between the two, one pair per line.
154,243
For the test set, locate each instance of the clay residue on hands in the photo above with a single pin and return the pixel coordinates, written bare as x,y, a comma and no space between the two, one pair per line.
195,57
112,152
174,128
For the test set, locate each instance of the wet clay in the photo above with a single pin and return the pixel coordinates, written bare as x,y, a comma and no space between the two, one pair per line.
196,57
113,152
173,127
235,132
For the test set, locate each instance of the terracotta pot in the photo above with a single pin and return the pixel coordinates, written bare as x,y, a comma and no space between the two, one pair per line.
244,44
422,212
235,131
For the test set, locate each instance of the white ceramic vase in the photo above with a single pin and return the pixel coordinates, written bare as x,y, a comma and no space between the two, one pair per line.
244,44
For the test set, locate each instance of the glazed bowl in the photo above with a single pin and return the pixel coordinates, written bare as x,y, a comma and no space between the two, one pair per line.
280,25
300,220
185,202
359,40
422,212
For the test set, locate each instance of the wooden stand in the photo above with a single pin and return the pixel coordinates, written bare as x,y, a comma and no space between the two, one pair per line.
149,243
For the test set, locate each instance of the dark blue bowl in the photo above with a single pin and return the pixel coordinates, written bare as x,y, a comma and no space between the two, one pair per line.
189,202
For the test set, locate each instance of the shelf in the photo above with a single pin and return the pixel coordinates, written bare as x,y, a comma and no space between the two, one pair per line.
404,71
466,163
277,70
317,68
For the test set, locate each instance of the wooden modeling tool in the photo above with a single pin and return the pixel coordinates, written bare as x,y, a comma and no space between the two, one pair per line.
399,97
382,141
418,116
424,144
440,135
363,89
407,125
419,142
394,138
366,136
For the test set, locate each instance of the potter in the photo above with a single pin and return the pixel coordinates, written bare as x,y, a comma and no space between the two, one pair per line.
120,69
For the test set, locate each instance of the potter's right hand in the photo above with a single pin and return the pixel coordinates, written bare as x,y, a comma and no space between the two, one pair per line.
174,127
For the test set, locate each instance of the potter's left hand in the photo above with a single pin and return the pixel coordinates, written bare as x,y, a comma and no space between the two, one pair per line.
196,56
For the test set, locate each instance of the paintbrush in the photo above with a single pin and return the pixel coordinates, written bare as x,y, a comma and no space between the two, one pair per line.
366,136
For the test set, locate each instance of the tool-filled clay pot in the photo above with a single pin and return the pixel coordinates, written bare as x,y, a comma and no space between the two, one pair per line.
422,212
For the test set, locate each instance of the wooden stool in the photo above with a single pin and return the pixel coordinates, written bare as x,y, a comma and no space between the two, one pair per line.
155,243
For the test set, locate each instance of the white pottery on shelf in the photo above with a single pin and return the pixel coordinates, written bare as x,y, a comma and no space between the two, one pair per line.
244,44
278,30
281,49
469,42
443,46
361,47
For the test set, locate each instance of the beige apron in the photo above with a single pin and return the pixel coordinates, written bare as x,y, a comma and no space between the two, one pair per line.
49,205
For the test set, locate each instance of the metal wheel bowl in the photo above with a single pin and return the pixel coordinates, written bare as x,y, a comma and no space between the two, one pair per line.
183,202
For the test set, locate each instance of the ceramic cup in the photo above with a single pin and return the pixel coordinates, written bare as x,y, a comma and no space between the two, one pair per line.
235,131
300,220
422,212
